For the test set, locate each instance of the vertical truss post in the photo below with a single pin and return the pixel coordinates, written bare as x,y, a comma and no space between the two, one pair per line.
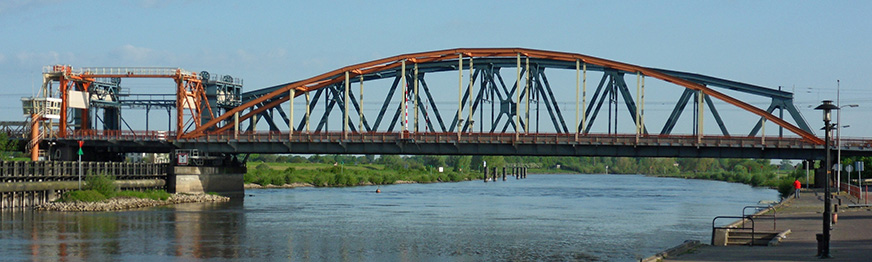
518,100
345,102
292,93
471,93
699,124
415,86
577,80
763,132
583,95
638,108
236,125
181,98
308,113
642,106
63,88
527,98
459,93
405,121
360,112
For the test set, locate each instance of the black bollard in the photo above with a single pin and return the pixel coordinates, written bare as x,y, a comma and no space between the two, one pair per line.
495,174
485,174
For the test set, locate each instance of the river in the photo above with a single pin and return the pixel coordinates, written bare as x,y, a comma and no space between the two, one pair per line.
543,217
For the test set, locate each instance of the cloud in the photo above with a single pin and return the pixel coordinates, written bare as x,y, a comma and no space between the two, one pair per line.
14,6
132,53
29,59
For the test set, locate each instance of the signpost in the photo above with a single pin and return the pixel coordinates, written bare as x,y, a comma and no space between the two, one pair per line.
81,143
860,169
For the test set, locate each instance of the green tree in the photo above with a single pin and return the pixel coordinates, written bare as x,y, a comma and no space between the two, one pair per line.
6,145
494,161
462,163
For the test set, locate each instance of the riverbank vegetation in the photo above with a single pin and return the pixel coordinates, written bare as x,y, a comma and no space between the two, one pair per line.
344,170
102,187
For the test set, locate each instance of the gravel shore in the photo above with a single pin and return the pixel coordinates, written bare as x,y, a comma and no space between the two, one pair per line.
123,203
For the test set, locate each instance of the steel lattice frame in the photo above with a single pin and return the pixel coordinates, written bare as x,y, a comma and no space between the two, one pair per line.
333,88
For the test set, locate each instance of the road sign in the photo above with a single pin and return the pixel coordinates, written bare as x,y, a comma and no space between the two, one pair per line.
849,168
860,166
80,147
183,159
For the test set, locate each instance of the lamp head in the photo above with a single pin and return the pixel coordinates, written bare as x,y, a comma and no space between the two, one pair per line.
827,108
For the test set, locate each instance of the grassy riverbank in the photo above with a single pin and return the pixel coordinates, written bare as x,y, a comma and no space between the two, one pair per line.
102,187
324,175
781,181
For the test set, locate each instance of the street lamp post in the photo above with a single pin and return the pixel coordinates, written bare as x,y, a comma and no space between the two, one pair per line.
827,107
839,127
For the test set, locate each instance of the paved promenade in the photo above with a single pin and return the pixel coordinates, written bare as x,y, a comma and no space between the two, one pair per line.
851,236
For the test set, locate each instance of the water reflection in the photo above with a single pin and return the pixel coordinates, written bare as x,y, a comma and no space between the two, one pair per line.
186,231
545,218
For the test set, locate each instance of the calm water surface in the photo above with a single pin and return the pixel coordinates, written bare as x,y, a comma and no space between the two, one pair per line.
544,218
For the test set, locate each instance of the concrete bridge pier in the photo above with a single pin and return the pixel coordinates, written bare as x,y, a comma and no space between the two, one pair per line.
224,180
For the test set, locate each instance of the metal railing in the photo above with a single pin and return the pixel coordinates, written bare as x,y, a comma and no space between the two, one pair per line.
133,71
758,209
714,228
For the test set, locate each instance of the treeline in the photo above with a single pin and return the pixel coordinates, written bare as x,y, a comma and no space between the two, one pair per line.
263,174
585,165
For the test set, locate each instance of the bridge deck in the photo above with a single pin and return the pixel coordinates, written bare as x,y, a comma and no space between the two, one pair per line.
467,144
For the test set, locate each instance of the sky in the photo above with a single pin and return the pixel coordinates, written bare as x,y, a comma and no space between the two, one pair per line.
802,46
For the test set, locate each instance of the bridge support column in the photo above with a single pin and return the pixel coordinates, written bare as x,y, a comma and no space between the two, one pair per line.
224,180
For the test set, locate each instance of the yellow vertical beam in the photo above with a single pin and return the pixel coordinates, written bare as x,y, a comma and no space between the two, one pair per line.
518,100
763,133
699,129
291,93
471,95
459,93
642,111
416,97
638,106
583,95
404,116
236,125
360,114
308,113
527,99
577,85
345,115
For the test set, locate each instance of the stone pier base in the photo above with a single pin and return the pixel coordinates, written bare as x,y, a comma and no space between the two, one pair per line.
227,181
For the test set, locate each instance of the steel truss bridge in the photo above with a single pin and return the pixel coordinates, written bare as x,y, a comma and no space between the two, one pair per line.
497,111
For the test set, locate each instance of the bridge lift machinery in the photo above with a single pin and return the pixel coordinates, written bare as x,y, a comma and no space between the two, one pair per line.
76,97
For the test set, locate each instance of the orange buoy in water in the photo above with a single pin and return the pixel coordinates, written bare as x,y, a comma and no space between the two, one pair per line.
377,190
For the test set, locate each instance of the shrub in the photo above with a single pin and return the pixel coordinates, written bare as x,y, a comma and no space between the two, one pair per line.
262,166
104,184
82,195
785,187
757,179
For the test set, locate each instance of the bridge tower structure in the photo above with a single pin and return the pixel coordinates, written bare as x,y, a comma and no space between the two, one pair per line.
90,94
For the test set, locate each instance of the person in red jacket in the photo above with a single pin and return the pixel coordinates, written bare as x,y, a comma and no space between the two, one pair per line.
796,185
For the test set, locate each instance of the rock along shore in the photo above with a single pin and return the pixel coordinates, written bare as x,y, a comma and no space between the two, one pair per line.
123,203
